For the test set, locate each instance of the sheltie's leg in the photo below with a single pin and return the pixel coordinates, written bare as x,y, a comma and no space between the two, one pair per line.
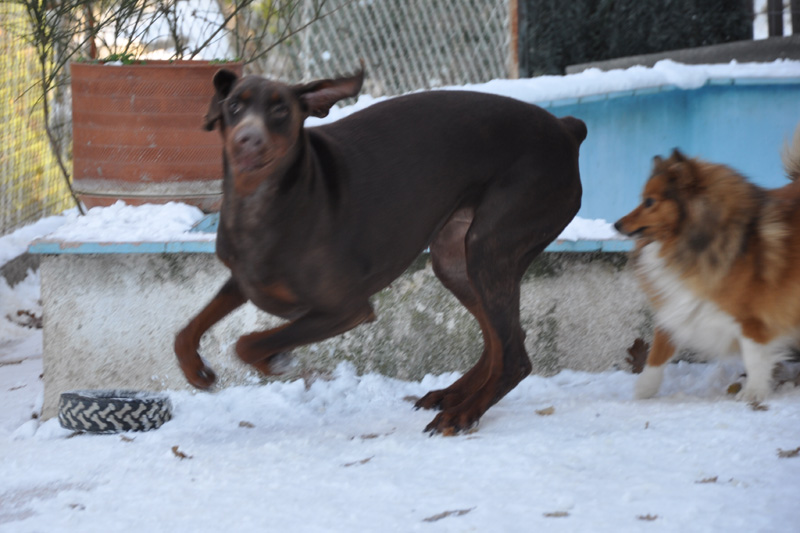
759,362
653,374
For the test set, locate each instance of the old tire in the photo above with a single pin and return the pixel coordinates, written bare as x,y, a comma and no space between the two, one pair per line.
113,411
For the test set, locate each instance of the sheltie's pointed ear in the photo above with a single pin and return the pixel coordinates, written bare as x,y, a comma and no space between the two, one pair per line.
657,162
678,156
683,170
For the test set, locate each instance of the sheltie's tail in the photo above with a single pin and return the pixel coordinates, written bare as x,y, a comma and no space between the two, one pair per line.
791,156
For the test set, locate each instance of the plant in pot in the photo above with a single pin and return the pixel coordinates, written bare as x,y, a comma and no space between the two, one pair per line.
140,85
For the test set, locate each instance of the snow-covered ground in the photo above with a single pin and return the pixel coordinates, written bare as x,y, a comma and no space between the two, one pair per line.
573,452
343,453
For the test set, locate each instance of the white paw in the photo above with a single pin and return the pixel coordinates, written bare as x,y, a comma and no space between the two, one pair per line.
754,393
759,362
649,382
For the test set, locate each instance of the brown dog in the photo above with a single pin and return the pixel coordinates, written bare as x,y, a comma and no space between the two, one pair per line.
316,220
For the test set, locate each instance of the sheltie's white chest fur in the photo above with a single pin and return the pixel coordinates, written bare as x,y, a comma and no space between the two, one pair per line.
692,322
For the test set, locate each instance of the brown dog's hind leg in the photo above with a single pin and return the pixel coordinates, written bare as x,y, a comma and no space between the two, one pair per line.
507,232
491,294
503,365
449,258
188,340
259,348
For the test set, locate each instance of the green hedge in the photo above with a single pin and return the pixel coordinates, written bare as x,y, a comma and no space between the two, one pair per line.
557,33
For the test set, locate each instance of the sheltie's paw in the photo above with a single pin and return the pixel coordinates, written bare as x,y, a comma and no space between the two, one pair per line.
754,394
649,382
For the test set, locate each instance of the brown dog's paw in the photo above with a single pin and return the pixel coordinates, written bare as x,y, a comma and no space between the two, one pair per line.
196,370
277,364
451,423
441,400
199,374
432,400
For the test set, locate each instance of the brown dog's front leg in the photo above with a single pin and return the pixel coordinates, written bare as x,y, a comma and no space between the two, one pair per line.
188,340
258,348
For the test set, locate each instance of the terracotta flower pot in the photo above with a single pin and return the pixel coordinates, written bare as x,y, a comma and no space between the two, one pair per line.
138,137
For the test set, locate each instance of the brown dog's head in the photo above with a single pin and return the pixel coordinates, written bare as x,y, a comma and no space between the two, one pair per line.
261,120
666,198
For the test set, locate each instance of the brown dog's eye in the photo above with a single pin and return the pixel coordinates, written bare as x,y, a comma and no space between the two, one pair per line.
648,202
279,110
234,107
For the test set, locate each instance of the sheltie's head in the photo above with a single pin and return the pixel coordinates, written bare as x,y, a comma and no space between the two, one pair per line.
702,214
666,195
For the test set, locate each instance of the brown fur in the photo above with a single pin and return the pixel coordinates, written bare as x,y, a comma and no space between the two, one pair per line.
790,159
728,241
315,221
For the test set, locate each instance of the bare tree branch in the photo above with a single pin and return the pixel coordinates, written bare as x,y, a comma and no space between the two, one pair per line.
62,30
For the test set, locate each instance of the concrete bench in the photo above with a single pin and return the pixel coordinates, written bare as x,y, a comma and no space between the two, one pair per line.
111,311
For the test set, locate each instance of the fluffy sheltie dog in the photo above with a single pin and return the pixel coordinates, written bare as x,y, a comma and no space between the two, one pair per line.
719,259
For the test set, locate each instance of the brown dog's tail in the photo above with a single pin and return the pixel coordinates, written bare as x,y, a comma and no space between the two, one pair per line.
576,127
791,156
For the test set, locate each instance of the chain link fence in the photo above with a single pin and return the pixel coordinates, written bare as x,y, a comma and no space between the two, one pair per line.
31,185
406,45
411,44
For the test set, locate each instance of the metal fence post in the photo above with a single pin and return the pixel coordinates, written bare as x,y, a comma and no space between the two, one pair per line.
775,17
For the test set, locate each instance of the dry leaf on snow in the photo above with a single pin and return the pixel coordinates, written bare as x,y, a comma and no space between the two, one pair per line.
638,355
361,462
785,454
179,454
707,480
437,517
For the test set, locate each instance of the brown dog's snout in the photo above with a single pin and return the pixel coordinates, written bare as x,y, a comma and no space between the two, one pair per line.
248,138
247,146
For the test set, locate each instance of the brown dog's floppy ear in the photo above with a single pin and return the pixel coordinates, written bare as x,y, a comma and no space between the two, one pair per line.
317,97
223,83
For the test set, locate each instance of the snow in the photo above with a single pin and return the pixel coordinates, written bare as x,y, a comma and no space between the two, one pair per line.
664,73
24,296
594,82
588,229
171,222
125,223
347,453
15,243
572,452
